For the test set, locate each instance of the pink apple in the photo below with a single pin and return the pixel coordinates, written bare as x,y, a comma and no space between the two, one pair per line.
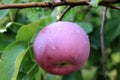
61,48
57,0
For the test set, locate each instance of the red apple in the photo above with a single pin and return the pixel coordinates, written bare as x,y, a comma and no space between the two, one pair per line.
57,0
61,48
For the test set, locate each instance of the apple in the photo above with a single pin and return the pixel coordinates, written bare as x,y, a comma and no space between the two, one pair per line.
61,48
57,0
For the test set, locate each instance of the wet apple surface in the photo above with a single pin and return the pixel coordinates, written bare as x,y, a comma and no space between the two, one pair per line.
61,48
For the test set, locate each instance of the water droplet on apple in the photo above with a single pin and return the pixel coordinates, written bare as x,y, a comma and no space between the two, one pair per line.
77,31
83,33
53,47
54,35
85,42
71,31
60,29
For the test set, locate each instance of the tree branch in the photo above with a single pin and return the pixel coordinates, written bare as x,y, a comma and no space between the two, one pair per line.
112,7
53,4
102,42
64,12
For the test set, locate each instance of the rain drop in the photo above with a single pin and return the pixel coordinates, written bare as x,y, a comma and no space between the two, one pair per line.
77,31
83,33
71,31
53,47
60,29
39,47
54,35
85,42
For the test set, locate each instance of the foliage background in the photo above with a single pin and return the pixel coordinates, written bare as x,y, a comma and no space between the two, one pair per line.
18,28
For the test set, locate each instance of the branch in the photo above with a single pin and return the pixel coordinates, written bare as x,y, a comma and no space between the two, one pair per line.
64,12
112,7
102,42
52,4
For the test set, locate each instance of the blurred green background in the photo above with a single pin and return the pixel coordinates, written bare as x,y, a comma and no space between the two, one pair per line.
18,28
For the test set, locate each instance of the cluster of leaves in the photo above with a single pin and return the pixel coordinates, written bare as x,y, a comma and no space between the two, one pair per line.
19,27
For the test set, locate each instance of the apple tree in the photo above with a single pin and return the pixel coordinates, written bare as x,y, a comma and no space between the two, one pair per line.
59,40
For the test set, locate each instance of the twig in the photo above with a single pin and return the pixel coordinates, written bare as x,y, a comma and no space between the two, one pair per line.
102,42
111,6
64,12
53,4
16,14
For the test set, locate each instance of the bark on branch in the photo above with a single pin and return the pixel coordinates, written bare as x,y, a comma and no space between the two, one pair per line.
53,4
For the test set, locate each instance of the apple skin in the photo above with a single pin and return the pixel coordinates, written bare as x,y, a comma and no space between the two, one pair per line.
57,0
61,48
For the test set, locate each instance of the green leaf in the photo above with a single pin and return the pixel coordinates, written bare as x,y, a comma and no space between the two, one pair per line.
14,26
86,26
28,66
33,14
116,57
89,73
112,28
95,3
116,33
68,77
75,76
27,32
22,76
52,77
11,59
5,39
69,16
37,75
3,13
78,75
8,1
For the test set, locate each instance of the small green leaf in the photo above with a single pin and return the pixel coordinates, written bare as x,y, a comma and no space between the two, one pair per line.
116,57
112,28
78,75
86,26
33,14
116,33
14,26
3,13
8,1
22,76
27,32
69,16
28,66
68,77
95,3
5,39
11,59
52,77
89,73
